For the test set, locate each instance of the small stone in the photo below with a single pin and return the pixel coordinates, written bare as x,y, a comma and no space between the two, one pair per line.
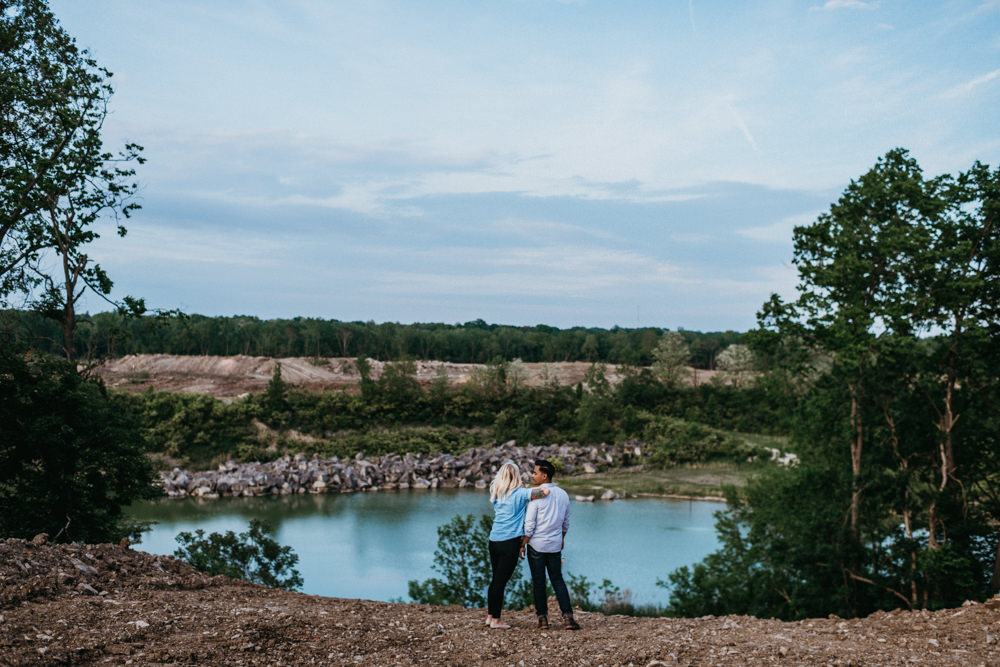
40,538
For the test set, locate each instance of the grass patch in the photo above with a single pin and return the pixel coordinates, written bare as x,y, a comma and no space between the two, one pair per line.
700,481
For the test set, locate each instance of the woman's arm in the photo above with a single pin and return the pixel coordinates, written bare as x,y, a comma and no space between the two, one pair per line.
538,493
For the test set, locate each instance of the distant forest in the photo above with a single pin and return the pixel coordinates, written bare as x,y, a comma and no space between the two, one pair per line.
110,335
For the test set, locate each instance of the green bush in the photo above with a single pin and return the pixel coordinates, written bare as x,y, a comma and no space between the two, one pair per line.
194,428
253,555
670,441
70,457
462,559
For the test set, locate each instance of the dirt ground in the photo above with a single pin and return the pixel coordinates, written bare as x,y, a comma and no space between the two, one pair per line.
106,604
230,377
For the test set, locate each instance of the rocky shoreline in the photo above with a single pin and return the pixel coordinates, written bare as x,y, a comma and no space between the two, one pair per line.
300,474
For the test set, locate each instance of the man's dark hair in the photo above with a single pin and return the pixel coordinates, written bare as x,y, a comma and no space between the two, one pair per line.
546,467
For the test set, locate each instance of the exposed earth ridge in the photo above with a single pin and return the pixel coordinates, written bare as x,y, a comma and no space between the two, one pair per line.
234,376
109,604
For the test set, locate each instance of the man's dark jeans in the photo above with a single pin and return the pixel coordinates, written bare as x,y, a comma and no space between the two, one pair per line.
539,563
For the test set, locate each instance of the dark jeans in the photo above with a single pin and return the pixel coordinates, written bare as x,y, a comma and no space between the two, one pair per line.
540,563
503,559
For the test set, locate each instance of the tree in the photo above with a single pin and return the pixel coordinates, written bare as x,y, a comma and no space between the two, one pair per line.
253,555
70,458
462,559
670,358
894,332
54,98
736,364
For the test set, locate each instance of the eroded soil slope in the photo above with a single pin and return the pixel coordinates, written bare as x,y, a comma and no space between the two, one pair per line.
229,377
105,604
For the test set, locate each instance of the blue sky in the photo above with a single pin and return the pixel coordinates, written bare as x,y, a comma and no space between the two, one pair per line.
594,163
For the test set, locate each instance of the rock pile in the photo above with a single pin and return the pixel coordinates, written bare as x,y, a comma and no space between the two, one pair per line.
302,474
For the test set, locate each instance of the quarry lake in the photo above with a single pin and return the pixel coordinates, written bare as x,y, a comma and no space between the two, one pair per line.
369,545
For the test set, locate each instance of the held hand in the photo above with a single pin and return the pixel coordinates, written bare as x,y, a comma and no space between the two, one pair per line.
521,553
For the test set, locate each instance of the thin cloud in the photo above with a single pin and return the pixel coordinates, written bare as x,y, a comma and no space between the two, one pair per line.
833,5
967,87
743,127
779,232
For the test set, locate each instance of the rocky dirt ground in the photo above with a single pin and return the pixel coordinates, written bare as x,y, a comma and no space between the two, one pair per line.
230,377
107,604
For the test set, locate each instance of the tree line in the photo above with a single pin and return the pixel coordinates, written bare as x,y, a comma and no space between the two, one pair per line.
112,334
396,414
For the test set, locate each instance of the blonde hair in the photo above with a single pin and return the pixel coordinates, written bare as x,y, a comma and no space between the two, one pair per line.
506,480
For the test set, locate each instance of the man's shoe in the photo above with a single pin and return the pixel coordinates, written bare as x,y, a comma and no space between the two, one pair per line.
571,624
543,622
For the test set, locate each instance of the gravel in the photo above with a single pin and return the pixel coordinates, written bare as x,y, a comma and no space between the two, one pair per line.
108,604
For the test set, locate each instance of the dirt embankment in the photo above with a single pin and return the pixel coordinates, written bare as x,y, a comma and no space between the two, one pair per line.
106,604
230,377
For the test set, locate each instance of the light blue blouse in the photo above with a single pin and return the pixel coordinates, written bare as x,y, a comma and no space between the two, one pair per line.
508,519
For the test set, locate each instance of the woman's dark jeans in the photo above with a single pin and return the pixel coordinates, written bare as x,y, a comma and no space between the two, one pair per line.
540,562
503,559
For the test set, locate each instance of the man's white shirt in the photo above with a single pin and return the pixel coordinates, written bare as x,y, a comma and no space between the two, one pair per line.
547,519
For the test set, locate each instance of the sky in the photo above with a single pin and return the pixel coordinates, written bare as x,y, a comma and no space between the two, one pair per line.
570,163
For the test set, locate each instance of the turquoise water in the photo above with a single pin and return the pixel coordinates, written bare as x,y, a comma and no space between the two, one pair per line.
369,545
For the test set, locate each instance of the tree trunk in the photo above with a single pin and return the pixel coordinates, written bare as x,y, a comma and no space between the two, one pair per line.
857,442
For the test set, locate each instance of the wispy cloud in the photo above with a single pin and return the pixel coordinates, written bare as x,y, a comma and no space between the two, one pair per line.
969,86
743,128
831,5
779,232
525,271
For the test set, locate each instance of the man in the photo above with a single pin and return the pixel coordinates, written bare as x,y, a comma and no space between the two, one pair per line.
545,526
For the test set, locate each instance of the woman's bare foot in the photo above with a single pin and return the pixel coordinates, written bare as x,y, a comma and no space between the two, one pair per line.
489,620
497,624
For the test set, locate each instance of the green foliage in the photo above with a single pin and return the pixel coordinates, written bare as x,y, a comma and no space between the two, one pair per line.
253,555
58,180
194,428
670,358
70,458
315,338
670,441
608,599
895,502
463,561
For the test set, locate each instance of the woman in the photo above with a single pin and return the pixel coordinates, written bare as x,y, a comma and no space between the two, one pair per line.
509,504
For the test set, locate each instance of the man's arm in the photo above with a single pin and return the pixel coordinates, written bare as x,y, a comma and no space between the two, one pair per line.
565,525
530,519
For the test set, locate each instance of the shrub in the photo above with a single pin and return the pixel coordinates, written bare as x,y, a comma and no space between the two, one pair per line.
69,453
252,555
670,441
462,559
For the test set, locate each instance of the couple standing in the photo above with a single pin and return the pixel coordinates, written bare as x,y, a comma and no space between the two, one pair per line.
535,520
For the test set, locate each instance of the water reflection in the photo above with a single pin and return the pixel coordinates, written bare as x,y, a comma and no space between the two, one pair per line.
368,545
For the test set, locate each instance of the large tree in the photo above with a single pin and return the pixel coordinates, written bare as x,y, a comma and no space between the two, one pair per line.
69,453
897,295
58,180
